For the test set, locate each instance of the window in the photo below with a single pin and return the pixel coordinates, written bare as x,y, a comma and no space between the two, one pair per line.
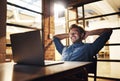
22,16
100,14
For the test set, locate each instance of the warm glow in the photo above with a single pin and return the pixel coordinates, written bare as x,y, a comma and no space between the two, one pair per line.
58,8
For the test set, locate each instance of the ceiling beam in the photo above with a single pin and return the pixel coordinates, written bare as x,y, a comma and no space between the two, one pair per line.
74,3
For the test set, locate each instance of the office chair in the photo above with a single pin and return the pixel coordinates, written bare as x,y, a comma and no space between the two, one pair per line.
92,68
76,77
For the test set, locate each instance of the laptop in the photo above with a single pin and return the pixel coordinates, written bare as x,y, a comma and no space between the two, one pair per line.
27,48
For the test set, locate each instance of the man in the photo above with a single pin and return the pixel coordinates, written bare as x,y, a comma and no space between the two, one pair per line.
80,51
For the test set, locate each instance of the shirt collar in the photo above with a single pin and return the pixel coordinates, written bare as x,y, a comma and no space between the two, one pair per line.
78,44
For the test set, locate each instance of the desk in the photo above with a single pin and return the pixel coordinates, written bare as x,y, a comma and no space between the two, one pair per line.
12,72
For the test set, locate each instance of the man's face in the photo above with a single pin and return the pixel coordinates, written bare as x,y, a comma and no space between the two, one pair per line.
74,35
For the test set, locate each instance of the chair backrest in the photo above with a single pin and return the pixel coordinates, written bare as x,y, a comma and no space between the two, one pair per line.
92,68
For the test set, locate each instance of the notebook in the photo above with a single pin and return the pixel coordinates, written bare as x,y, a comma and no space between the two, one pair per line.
27,48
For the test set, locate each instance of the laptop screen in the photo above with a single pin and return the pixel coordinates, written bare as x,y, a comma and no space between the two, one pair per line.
27,48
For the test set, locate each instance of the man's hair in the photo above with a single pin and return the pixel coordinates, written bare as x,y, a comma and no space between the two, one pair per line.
80,29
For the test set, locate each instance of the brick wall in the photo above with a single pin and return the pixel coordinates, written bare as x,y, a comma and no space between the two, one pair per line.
48,28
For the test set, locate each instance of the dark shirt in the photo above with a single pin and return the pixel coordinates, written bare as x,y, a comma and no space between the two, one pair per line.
81,51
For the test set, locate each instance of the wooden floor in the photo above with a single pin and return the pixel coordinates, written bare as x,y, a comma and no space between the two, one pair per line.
109,70
91,79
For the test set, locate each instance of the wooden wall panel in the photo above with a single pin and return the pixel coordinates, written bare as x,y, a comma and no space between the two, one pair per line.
2,30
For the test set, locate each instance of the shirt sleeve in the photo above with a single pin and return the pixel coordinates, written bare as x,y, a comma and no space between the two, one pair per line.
59,46
98,44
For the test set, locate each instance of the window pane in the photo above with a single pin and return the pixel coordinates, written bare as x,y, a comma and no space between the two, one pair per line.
101,7
23,17
80,12
35,5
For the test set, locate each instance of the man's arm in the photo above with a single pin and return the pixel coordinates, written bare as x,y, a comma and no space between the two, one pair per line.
61,36
104,36
97,32
56,39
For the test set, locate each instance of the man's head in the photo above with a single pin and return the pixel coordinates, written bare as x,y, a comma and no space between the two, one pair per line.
76,33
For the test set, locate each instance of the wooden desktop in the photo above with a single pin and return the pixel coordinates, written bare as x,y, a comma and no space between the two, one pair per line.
15,72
